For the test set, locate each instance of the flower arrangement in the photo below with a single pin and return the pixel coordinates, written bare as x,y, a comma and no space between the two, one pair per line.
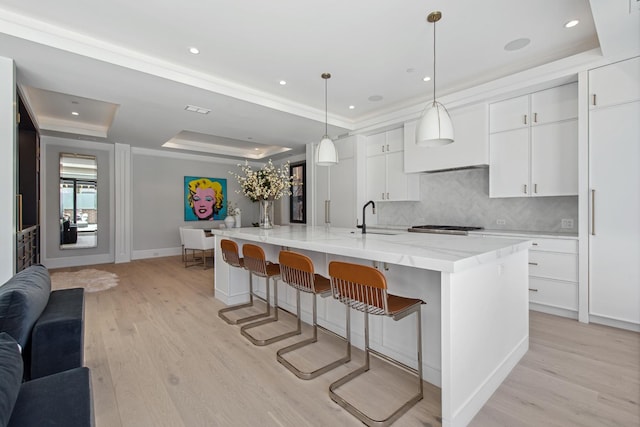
268,183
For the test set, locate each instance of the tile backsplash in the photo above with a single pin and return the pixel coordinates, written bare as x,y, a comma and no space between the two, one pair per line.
461,197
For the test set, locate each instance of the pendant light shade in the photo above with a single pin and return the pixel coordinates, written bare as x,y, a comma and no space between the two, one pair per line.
434,127
326,154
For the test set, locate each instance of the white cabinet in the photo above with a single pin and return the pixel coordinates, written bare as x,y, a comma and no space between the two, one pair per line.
533,144
385,175
614,195
338,183
553,274
470,147
614,84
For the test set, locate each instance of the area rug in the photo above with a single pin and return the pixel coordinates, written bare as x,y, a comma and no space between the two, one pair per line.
90,279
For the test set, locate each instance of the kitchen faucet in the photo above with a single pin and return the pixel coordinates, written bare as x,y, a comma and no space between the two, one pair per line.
364,223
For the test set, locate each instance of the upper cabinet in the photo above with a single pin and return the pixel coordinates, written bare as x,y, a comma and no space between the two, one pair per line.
470,147
533,144
614,84
386,179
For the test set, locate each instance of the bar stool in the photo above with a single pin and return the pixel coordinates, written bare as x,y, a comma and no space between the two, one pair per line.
257,264
231,256
365,289
297,271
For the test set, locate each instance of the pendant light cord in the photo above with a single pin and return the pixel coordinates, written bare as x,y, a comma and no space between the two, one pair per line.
326,133
434,62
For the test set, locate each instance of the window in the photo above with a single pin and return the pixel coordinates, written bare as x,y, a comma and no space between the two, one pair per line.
298,198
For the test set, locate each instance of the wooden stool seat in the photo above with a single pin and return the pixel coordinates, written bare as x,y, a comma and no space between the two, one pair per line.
297,272
365,289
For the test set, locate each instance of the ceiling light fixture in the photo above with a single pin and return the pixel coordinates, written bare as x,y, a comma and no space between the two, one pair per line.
194,50
426,79
282,82
326,154
571,23
352,107
75,113
434,127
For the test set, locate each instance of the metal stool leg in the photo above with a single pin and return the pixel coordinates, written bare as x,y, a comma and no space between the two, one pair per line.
258,342
307,375
364,368
222,312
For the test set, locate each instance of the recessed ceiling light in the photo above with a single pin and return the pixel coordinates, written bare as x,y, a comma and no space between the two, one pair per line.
571,23
352,107
75,113
516,44
282,83
426,79
256,149
194,50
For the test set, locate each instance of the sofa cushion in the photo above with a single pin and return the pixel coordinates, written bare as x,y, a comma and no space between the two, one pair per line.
62,399
10,376
22,300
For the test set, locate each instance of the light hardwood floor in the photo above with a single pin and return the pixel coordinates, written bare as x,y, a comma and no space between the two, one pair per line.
160,356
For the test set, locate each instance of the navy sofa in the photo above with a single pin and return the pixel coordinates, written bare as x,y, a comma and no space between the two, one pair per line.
42,380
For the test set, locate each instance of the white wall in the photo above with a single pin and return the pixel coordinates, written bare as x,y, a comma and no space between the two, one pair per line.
157,193
8,131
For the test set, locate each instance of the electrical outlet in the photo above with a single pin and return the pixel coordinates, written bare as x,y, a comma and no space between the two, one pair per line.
501,221
566,223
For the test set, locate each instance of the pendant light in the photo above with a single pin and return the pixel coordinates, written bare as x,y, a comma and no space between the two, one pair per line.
434,127
326,154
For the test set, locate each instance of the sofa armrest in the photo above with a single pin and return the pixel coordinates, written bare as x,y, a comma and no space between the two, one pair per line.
57,339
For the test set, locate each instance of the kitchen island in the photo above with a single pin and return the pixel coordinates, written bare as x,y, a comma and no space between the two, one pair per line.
475,322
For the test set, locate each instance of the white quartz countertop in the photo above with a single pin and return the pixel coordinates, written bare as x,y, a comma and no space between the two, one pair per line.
440,252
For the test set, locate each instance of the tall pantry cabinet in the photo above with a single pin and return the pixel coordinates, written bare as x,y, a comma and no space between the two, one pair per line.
614,192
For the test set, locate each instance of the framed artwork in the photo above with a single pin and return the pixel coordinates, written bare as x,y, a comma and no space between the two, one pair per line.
205,199
298,198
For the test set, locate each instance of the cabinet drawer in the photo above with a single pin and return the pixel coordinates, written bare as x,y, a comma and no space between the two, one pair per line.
553,265
554,245
553,293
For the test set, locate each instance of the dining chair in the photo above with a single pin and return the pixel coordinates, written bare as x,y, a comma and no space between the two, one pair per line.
195,240
182,238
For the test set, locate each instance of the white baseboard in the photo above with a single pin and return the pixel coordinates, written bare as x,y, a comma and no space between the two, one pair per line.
614,323
155,253
556,311
77,261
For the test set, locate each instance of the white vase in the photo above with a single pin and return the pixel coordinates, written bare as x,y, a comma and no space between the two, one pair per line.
229,221
238,221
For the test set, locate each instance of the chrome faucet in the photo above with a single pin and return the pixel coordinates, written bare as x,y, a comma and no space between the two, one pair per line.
364,223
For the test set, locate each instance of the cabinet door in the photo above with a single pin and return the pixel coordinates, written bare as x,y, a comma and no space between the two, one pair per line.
376,144
394,140
509,164
376,177
396,178
614,243
509,114
554,159
555,104
614,84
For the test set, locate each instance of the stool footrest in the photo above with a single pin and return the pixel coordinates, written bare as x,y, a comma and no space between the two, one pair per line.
271,340
307,375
